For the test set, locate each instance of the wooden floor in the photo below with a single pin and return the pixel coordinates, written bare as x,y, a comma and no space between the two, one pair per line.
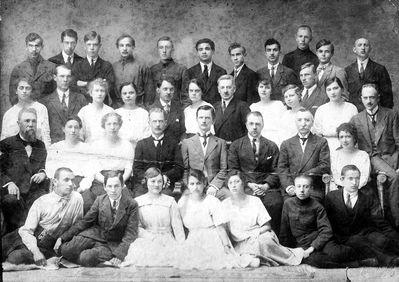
283,273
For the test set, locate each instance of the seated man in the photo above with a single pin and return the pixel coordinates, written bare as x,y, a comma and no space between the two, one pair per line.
35,69
257,158
378,135
304,223
159,150
175,126
305,153
230,111
207,153
354,214
49,217
22,162
105,233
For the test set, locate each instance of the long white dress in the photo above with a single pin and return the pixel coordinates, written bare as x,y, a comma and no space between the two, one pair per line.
135,124
244,227
271,113
160,232
203,249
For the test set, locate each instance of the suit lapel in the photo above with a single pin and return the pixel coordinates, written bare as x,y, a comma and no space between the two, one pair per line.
71,102
368,71
56,104
248,149
364,126
278,75
380,126
309,150
106,208
120,213
212,143
196,145
325,75
230,109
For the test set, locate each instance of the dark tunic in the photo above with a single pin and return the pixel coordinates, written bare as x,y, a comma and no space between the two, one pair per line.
295,59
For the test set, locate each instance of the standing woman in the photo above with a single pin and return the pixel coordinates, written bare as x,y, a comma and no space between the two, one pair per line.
195,90
160,226
92,113
271,111
250,230
207,245
135,124
10,126
329,116
292,100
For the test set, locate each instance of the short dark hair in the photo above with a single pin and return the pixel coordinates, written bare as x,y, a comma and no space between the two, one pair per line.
237,45
62,66
125,36
59,170
169,79
200,176
69,32
272,41
348,128
207,108
33,36
234,172
347,168
92,35
205,40
265,81
372,85
150,173
111,174
325,42
199,82
75,118
138,95
331,80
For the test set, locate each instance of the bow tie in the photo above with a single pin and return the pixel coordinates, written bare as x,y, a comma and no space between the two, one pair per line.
26,143
321,68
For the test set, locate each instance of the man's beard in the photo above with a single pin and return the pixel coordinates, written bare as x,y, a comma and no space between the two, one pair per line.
30,135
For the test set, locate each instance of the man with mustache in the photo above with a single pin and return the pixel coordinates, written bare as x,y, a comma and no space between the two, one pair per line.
257,158
129,69
22,163
363,71
36,69
378,135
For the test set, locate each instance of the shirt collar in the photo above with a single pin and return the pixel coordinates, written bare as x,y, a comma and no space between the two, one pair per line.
164,103
89,59
239,68
323,67
363,62
207,134
156,139
228,101
373,112
209,65
311,89
305,136
117,201
59,198
269,66
252,138
60,93
65,56
351,194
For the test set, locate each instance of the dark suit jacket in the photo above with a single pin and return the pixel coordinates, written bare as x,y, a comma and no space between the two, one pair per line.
214,162
175,119
374,73
246,85
282,78
97,224
316,99
367,216
387,131
102,69
315,160
15,164
230,125
211,94
334,71
170,162
241,157
59,59
57,116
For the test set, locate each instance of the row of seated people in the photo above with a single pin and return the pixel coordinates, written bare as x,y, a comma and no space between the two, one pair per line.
349,231
130,69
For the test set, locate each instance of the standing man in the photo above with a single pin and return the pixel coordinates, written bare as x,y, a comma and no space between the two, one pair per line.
305,153
257,158
93,67
69,39
62,103
378,135
207,153
279,75
245,78
231,113
295,59
312,95
22,163
49,217
167,67
36,69
363,71
128,69
207,70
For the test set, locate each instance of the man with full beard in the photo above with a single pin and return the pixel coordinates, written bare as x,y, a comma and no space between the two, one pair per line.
22,162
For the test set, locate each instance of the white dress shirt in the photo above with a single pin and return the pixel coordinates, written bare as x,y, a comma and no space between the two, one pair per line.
65,56
269,67
306,142
310,91
60,94
353,197
209,67
365,62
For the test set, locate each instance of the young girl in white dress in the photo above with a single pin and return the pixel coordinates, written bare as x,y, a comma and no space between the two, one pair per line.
292,99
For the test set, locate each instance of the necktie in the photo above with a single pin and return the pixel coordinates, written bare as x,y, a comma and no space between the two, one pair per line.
113,210
254,145
235,73
223,106
158,148
205,73
34,63
92,63
166,108
373,119
361,72
306,96
69,61
272,72
348,202
63,103
303,140
205,138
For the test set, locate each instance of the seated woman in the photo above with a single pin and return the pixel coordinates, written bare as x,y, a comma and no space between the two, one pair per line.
195,90
10,126
135,124
250,230
207,245
271,111
71,153
348,154
111,152
92,113
292,100
160,226
329,116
